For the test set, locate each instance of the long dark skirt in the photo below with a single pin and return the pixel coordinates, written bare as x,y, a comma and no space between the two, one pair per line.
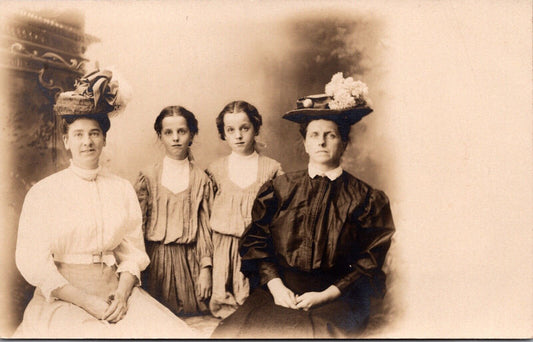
172,277
259,317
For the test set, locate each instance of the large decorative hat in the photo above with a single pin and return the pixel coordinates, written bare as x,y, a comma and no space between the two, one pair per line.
94,93
345,101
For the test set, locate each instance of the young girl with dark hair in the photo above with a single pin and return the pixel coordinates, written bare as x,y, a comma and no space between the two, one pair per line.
175,196
236,178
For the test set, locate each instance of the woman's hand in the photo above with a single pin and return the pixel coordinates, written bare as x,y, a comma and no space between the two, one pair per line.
204,283
310,299
283,296
95,305
118,300
117,309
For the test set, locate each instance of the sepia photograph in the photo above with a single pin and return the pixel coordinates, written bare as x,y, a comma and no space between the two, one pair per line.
276,170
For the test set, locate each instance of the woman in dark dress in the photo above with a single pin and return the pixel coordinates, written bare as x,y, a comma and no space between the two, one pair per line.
318,238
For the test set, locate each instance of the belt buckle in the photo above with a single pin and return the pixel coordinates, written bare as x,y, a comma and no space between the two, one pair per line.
97,258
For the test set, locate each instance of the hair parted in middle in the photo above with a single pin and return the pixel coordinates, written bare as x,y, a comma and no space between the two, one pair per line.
238,107
192,123
102,120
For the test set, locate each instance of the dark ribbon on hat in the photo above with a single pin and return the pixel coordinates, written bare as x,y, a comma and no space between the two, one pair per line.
320,101
98,85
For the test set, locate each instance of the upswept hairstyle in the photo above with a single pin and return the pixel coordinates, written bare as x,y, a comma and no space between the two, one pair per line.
101,119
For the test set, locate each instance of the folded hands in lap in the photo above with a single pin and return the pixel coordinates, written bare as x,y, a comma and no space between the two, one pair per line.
283,296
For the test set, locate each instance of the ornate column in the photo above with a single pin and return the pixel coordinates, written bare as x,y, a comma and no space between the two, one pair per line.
41,54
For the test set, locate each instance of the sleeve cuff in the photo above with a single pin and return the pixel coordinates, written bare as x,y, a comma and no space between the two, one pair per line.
50,285
341,285
267,272
129,266
344,283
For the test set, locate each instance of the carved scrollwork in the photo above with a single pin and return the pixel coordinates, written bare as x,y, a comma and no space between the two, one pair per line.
74,64
50,85
47,58
19,48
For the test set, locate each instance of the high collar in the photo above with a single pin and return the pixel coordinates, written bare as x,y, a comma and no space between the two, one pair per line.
87,174
331,174
176,163
241,158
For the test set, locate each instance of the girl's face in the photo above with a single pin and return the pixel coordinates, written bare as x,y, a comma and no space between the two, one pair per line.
85,141
176,137
239,133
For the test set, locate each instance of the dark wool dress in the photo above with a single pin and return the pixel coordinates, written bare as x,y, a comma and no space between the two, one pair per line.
313,233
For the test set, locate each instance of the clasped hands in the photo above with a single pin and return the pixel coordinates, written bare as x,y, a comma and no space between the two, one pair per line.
112,310
115,307
283,296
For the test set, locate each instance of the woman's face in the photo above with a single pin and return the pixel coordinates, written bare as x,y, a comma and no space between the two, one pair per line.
85,141
323,144
239,133
176,137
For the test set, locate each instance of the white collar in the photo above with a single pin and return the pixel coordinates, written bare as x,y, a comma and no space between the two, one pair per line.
241,158
175,163
87,174
331,174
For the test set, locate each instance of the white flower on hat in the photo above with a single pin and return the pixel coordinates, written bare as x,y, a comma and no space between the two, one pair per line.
346,92
124,93
336,83
342,100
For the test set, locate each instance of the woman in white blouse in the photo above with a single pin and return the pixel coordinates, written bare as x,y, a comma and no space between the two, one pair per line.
80,241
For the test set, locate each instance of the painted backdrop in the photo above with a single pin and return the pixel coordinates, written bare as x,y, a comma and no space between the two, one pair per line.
450,139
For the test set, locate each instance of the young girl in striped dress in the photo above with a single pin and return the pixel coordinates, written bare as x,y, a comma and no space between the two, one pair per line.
236,180
175,196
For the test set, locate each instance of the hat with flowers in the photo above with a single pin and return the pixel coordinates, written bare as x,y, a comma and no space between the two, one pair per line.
95,93
344,101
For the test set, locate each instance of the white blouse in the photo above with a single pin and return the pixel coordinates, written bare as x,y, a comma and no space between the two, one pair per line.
242,170
78,212
175,174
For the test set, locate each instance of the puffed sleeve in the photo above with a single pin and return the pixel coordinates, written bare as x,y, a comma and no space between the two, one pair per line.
143,195
278,170
375,228
256,246
211,174
130,253
205,241
33,253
